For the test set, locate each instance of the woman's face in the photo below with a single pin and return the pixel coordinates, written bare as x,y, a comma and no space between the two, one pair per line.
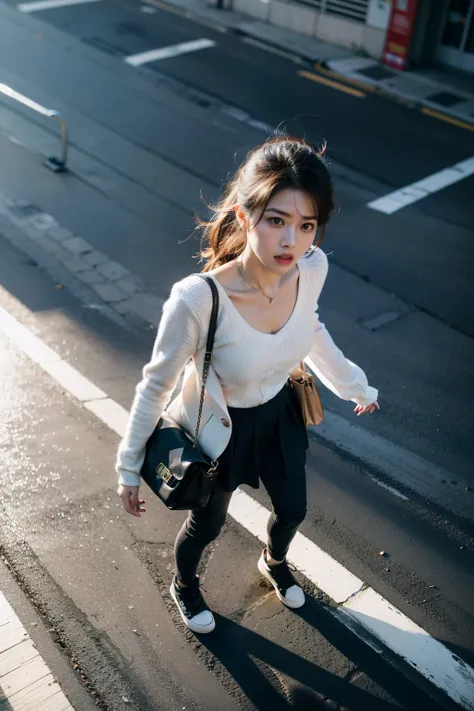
285,231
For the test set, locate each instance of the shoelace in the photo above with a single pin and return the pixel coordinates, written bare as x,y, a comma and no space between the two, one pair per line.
290,566
197,586
282,574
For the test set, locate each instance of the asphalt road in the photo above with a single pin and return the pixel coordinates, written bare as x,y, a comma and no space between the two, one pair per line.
374,136
153,144
99,579
382,141
140,167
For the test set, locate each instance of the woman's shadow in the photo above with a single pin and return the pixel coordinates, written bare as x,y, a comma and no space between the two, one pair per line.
247,656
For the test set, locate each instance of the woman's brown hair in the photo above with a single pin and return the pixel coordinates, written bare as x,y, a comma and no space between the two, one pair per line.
279,163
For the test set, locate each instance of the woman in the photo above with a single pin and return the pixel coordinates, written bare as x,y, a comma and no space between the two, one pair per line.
262,256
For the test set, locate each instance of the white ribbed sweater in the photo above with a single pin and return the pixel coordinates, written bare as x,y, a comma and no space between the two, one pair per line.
252,366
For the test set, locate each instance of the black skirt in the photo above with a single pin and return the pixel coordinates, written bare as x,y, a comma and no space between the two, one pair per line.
267,440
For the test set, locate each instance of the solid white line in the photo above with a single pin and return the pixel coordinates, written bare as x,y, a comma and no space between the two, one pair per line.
22,667
391,489
364,606
173,50
424,653
49,4
30,344
326,573
72,381
393,202
111,413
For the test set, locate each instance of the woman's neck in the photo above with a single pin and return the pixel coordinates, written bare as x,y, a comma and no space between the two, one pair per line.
257,273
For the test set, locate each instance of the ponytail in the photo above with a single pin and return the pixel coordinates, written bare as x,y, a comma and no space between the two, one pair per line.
283,162
224,237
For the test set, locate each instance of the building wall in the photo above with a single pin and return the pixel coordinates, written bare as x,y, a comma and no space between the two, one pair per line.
326,20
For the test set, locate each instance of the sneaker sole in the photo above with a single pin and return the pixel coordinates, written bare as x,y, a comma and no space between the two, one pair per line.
199,629
287,603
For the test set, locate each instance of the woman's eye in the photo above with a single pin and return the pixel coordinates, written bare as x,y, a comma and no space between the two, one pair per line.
308,226
277,221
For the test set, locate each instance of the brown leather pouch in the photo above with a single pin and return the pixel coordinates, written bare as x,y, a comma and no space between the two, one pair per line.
305,389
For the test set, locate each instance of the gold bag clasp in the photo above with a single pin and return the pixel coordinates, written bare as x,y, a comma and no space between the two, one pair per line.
163,472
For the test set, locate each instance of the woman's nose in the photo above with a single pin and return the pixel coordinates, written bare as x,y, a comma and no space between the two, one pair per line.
288,238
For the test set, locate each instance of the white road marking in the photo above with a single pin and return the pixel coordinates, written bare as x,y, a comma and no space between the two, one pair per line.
391,489
423,652
49,4
111,413
71,380
422,188
173,50
325,572
360,607
25,678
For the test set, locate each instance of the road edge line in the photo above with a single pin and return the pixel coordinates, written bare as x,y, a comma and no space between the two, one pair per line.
452,673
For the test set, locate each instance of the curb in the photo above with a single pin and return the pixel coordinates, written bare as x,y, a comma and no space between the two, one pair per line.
19,655
320,66
104,284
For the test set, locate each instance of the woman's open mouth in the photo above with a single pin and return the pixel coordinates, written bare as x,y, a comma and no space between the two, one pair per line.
285,259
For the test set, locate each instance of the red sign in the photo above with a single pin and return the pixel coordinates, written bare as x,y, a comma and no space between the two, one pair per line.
399,33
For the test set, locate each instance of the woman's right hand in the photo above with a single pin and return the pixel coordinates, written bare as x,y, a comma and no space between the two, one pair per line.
131,501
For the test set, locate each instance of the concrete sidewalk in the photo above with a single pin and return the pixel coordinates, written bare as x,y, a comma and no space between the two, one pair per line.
25,679
433,92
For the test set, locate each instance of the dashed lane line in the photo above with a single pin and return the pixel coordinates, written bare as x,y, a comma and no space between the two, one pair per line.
395,201
174,50
360,607
38,5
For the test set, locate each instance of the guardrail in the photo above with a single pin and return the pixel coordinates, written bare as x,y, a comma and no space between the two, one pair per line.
58,165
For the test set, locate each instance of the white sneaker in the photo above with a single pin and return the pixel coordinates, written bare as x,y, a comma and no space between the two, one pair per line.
283,580
192,607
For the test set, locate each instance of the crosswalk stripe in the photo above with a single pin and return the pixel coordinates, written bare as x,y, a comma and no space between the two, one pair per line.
38,5
423,188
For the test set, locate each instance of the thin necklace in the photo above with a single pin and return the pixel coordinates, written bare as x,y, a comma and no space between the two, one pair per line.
271,299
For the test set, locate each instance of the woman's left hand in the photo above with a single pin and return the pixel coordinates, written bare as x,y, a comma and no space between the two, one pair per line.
360,409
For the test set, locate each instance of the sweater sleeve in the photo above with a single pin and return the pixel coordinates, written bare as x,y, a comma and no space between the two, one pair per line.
177,340
343,377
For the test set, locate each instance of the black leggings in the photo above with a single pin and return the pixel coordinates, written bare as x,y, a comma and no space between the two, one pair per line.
202,526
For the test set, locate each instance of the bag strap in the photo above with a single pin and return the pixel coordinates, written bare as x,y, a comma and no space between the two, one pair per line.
306,376
211,334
